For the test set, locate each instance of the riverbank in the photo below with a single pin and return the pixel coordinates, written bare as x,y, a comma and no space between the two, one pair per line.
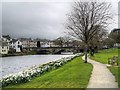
20,63
34,53
74,74
18,54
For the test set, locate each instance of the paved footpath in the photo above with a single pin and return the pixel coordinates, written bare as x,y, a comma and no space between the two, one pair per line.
101,77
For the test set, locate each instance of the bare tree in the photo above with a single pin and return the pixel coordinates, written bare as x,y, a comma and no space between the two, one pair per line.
59,41
115,35
99,38
67,41
85,19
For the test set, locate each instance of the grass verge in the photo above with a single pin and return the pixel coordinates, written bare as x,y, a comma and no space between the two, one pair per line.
74,74
116,72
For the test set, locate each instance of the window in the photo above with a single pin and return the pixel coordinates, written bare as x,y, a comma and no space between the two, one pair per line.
3,50
2,47
18,46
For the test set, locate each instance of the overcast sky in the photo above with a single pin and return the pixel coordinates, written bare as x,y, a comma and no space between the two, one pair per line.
119,15
39,19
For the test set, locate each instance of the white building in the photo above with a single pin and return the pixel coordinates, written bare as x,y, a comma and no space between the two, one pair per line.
16,44
47,44
29,43
33,43
25,43
4,46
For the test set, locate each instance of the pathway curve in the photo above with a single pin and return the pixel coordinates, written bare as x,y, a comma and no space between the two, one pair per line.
101,77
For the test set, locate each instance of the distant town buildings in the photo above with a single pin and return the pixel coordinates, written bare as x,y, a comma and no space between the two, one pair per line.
28,42
18,45
11,45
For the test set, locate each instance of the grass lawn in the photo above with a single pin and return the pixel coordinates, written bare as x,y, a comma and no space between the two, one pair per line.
74,74
103,55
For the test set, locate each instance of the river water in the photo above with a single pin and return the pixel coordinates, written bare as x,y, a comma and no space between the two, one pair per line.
9,65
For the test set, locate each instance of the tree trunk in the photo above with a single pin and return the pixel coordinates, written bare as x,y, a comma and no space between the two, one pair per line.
86,54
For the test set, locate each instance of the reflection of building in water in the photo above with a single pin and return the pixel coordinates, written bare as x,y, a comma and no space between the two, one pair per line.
119,14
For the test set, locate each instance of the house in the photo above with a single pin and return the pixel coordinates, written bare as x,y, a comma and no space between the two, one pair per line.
25,43
4,46
52,44
28,43
44,44
7,37
33,43
16,44
47,44
3,39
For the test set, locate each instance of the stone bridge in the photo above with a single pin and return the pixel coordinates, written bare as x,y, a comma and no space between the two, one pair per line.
55,50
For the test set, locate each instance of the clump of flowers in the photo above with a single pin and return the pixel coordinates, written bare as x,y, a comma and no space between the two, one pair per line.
34,71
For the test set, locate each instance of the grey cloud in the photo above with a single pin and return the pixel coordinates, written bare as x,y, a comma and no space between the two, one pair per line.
0,18
39,19
43,20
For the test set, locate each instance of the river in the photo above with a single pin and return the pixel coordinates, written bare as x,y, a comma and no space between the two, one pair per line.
16,64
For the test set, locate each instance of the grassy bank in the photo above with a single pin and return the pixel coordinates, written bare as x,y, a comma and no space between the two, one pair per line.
116,72
74,74
103,55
